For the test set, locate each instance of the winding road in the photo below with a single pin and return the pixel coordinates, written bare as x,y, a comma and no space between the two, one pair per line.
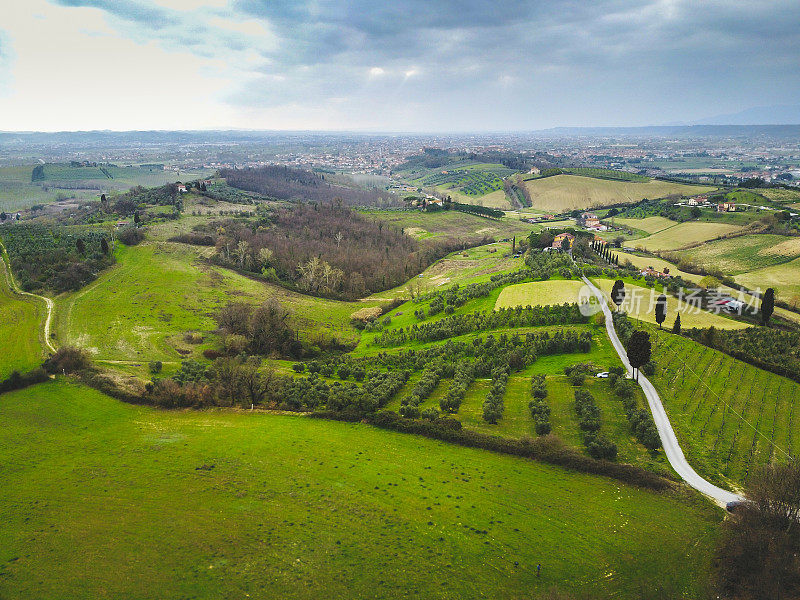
668,439
12,284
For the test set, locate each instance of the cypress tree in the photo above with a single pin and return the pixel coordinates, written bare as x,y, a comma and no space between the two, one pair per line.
767,305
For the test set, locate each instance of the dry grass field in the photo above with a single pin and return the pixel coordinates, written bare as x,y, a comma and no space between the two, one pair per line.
570,192
684,234
649,224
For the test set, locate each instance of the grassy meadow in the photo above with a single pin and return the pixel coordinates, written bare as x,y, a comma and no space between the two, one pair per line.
784,278
552,291
640,301
20,326
159,291
569,192
107,500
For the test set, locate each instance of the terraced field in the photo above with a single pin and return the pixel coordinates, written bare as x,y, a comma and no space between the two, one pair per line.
725,429
112,500
684,234
569,192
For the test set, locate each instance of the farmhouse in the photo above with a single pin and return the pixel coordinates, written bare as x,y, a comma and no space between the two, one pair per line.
697,200
726,207
559,239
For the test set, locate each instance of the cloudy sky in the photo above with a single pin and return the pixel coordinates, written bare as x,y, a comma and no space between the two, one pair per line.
390,65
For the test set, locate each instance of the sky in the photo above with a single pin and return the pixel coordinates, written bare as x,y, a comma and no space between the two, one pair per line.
390,65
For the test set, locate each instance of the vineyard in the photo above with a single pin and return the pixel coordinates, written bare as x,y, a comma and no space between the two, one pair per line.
729,416
472,182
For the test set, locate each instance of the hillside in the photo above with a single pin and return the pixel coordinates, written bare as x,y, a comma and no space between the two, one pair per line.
561,193
217,504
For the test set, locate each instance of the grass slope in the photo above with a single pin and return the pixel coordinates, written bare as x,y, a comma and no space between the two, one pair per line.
20,347
535,293
140,309
106,500
745,253
453,224
684,234
785,278
569,192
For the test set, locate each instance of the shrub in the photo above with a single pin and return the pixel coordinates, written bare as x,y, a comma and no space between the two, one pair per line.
577,379
235,344
298,367
343,372
67,360
430,413
130,236
193,338
155,366
212,354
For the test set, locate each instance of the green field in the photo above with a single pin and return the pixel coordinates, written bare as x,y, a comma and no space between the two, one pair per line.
63,182
744,253
785,278
684,234
725,429
781,195
535,293
569,192
607,174
140,309
107,500
20,347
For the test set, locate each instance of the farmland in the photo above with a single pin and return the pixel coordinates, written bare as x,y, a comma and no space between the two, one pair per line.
648,224
725,430
63,182
784,277
222,504
539,292
568,192
20,347
640,304
684,234
744,253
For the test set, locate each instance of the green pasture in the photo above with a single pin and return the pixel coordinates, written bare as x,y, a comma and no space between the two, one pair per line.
784,278
108,500
535,293
20,324
140,309
452,224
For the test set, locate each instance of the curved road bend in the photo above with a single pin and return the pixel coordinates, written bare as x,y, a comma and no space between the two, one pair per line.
12,284
665,431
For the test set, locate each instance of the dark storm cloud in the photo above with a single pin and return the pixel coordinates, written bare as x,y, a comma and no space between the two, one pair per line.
538,63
